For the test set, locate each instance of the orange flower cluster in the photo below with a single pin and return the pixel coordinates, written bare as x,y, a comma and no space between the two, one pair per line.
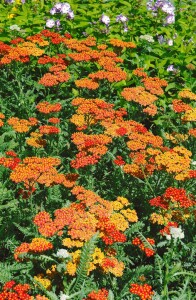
54,120
91,148
4,48
166,229
87,83
190,115
148,251
154,85
139,142
179,106
91,111
48,129
144,291
122,44
57,61
140,72
98,295
13,291
36,140
176,138
47,108
38,39
34,170
192,132
85,218
53,79
175,161
187,94
115,76
144,98
173,204
112,265
38,245
22,125
2,116
10,162
15,54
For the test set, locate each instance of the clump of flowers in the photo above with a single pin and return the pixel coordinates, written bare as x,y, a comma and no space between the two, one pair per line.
144,291
165,6
174,205
98,295
12,290
149,251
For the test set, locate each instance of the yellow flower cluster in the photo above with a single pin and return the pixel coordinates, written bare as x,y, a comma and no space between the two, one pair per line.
43,281
189,116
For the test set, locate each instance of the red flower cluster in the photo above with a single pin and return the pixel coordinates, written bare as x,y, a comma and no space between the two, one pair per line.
144,291
98,295
148,251
13,291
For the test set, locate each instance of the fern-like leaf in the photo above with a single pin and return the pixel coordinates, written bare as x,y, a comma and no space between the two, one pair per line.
85,259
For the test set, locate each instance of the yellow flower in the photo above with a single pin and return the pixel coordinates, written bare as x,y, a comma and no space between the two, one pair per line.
43,281
130,214
117,205
119,221
71,268
52,271
123,200
67,242
11,16
97,256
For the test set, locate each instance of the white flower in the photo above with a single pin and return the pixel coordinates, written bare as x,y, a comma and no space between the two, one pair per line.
15,27
62,253
170,19
65,8
171,68
53,11
58,6
169,9
64,296
147,37
105,19
193,163
170,42
176,233
50,23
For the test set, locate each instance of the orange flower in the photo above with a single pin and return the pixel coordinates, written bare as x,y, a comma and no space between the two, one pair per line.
87,83
46,107
121,44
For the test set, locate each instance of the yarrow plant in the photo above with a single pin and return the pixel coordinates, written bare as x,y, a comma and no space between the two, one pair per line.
97,162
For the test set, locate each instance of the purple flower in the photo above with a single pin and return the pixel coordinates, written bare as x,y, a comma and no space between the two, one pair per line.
53,11
171,68
58,23
161,39
121,18
70,14
170,19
